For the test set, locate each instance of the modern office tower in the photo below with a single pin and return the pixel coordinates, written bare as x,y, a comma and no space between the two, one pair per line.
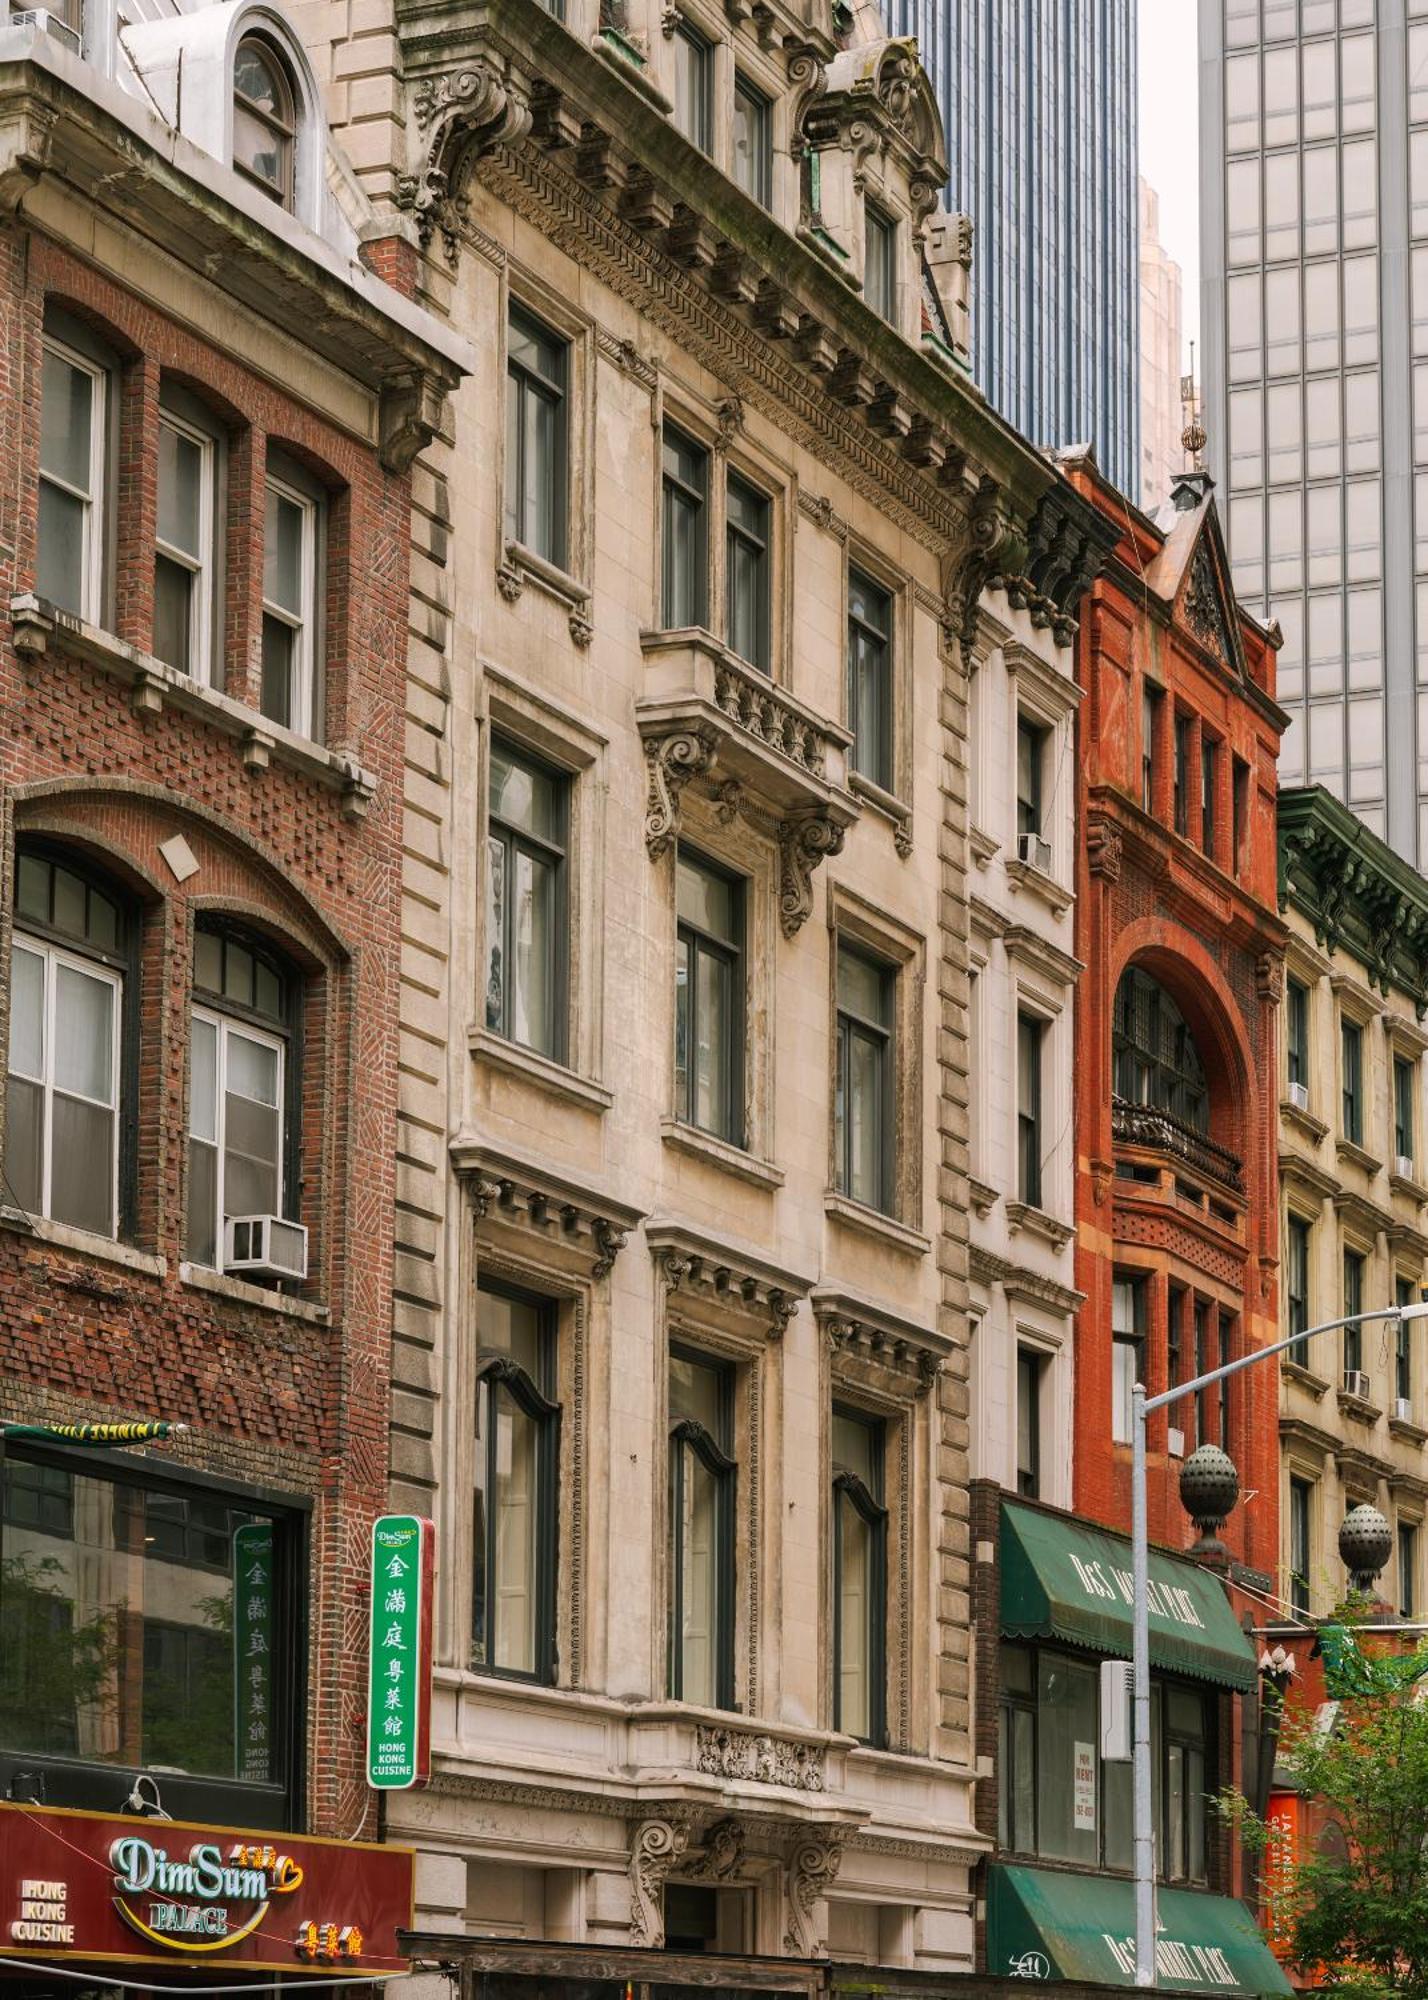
1314,219
1039,102
1162,418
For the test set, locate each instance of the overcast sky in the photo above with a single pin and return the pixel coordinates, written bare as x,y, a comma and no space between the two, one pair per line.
1169,139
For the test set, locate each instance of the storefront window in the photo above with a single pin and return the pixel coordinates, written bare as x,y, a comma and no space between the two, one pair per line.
145,1626
1061,1801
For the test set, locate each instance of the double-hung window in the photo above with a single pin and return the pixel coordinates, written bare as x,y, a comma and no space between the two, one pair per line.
1404,1076
1127,1347
62,1125
1182,775
1351,1047
1301,1498
1297,1288
1031,740
73,526
753,142
709,998
1030,1372
1407,1569
870,705
264,118
537,437
527,934
1296,1032
1184,1745
860,1526
240,1131
684,532
746,572
291,565
185,546
693,85
1353,1306
1209,765
1030,1036
1404,1294
1151,700
702,1474
513,1541
864,1093
880,261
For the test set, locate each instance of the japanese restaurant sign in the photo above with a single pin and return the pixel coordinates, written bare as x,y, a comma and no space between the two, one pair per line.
399,1653
106,1886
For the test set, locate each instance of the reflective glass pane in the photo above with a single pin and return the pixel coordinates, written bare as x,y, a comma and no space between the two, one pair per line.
238,972
279,662
864,1116
60,560
27,1013
24,1143
69,901
82,1166
201,1240
252,1069
516,1327
854,1584
255,76
84,1034
208,961
713,1051
854,1450
691,87
862,986
516,1536
698,1530
173,613
533,918
705,900
257,146
681,1027
525,795
66,422
180,491
751,143
1068,1759
696,1389
203,1080
283,538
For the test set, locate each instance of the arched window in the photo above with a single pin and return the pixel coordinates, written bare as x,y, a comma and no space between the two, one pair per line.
264,118
241,1087
1155,1059
68,962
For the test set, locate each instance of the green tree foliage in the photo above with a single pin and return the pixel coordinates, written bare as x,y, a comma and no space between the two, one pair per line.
1356,1904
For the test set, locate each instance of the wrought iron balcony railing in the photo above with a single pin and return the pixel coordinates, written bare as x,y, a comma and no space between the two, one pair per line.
1147,1125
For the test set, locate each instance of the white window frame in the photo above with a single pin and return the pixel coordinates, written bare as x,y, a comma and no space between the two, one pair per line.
227,1024
200,638
95,522
52,956
305,651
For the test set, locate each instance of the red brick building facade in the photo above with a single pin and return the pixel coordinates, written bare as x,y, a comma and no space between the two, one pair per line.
1176,924
208,414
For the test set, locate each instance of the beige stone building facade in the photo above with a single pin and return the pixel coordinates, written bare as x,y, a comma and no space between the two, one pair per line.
1354,1179
1161,358
681,1346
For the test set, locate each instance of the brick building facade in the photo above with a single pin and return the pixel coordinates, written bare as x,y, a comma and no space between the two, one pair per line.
208,411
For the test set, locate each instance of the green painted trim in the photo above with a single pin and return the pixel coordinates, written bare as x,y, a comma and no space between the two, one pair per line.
1360,897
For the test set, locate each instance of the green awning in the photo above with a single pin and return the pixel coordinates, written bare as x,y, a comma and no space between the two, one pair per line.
1062,1580
1044,1925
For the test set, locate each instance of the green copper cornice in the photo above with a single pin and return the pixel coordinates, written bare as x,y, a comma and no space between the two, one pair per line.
1358,894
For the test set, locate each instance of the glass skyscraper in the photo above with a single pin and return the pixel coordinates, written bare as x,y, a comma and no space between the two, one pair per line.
1039,101
1314,231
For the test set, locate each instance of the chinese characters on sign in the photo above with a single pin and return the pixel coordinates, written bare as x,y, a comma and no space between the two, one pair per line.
399,1679
252,1657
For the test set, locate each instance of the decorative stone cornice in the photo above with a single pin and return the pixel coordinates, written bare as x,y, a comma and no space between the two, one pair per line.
1360,897
894,1355
545,1201
707,1271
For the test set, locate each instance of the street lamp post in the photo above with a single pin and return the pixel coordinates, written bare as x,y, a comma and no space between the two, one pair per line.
1141,1407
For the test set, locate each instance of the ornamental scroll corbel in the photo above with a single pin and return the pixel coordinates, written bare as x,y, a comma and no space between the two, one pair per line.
803,841
459,115
657,1845
671,761
812,1870
994,553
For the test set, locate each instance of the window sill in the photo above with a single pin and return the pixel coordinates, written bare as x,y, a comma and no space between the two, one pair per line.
1295,1371
1312,1127
1357,1155
1406,1431
719,1153
872,1222
1041,885
1404,1184
888,806
984,1197
1355,1407
38,625
201,1279
1037,1222
543,1071
519,566
65,1237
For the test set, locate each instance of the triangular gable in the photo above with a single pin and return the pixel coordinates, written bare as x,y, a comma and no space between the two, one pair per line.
1207,602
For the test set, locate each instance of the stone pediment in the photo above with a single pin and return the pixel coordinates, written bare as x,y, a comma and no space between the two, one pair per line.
876,97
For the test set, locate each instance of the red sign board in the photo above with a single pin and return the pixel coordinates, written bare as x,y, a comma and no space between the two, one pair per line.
103,1886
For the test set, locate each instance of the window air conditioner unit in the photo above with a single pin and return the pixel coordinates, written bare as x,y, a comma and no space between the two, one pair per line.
1031,848
1356,1383
1403,1167
1299,1096
1175,1442
1403,1409
48,24
1117,1688
264,1246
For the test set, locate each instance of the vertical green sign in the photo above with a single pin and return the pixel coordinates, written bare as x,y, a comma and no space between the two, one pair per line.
252,1652
399,1677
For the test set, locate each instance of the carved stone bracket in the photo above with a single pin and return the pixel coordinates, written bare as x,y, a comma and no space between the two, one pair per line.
804,839
503,1189
655,1847
703,1271
411,412
457,116
812,1870
760,1759
671,761
1103,848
